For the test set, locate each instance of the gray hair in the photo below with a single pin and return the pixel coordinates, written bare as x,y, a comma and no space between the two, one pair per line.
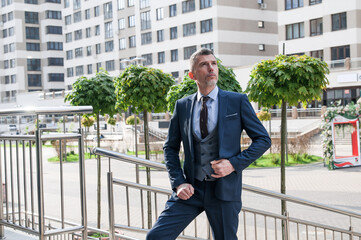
194,58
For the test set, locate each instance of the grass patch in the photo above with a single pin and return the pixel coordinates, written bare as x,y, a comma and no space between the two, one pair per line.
71,157
274,160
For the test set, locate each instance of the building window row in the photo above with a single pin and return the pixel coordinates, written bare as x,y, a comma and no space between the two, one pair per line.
53,14
57,46
32,46
7,17
6,2
10,79
9,47
55,61
56,77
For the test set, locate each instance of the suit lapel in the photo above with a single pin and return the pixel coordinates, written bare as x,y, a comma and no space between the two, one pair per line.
222,111
190,106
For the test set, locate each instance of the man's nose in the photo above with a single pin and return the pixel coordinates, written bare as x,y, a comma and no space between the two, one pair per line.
210,68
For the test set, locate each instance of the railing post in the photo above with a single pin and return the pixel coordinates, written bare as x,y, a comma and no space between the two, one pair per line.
39,166
111,206
1,198
82,183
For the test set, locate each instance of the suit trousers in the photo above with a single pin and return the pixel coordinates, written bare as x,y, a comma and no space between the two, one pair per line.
178,213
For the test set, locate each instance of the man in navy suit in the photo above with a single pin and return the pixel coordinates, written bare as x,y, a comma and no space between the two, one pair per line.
209,123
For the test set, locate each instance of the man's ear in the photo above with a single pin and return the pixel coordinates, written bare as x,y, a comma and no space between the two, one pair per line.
190,74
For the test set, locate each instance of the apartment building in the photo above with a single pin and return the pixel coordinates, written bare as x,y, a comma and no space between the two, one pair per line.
330,30
164,34
32,57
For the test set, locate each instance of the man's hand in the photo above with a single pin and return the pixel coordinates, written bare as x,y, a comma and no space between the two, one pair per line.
185,191
222,168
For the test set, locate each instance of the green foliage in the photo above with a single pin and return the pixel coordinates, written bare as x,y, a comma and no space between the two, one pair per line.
291,78
130,120
87,121
264,115
274,160
226,81
97,92
142,88
71,157
111,121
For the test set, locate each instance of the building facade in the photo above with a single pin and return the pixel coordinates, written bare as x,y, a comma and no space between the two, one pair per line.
330,30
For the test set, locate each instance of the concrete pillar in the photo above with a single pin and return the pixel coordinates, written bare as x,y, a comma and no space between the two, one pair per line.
347,63
323,110
123,116
294,113
118,117
167,116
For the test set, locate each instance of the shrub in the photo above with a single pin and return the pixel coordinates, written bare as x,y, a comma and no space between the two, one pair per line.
130,120
87,121
111,121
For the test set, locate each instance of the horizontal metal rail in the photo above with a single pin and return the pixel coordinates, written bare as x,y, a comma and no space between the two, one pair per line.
47,110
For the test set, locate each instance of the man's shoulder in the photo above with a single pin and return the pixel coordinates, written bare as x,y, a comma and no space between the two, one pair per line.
233,94
185,99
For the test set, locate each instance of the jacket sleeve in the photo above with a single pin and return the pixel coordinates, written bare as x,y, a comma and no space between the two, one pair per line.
171,151
256,131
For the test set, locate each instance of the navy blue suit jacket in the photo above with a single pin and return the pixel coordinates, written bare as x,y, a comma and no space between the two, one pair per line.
235,114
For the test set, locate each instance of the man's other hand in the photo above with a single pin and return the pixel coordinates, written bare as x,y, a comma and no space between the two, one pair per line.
221,168
185,191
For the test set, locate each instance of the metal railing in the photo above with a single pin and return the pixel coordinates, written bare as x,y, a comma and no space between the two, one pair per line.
255,223
21,167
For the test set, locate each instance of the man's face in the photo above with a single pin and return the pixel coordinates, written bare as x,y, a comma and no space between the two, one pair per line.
205,71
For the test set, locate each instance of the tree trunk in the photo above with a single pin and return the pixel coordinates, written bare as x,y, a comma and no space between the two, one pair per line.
147,156
283,169
99,176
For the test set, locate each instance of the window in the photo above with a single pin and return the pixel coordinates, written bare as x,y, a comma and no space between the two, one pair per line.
56,77
68,20
77,17
189,29
88,32
316,27
173,10
70,72
108,28
5,33
68,37
32,46
146,38
66,3
339,21
160,13
3,18
208,45
123,64
290,4
98,48
121,4
96,11
205,3
109,65
76,4
34,64
131,21
79,70
121,23
78,34
175,74
90,68
6,48
109,46
144,3
12,63
160,35
13,78
148,59
342,52
53,15
89,50
55,62
97,30
188,51
174,55
10,16
32,33
7,79
53,1
87,13
99,65
188,6
317,54
34,80
130,3
29,2
108,10
54,30
55,46
69,54
313,2
6,64
145,20
32,17
206,26
11,31
173,33
122,44
78,52
132,42
295,31
161,57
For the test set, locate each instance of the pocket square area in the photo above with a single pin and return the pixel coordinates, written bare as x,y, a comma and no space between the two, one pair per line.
232,115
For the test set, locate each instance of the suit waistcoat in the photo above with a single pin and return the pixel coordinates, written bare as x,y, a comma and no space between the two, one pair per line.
205,151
